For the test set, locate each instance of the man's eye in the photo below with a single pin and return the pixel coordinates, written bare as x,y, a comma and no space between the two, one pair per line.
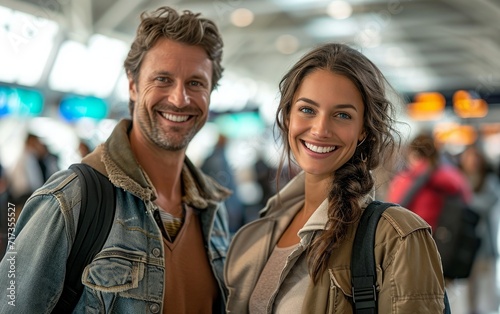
195,83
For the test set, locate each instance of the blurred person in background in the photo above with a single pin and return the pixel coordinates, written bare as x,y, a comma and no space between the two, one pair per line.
84,148
167,245
35,166
337,125
482,283
217,166
422,157
424,185
265,176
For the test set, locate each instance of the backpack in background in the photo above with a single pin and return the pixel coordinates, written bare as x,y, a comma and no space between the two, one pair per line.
455,234
456,237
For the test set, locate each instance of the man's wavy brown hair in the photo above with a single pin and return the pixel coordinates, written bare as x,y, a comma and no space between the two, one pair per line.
187,27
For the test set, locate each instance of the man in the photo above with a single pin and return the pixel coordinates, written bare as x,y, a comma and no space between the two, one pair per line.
166,248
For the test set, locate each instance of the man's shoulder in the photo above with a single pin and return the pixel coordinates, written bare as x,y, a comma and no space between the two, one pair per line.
61,181
60,194
64,186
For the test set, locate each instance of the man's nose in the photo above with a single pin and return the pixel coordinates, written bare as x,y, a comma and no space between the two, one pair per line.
179,96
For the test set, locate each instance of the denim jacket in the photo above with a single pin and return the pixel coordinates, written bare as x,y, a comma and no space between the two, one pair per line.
127,276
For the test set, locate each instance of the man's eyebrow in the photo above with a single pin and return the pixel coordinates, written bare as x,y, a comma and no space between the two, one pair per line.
194,76
162,72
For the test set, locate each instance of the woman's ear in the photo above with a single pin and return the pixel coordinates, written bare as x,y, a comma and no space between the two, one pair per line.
361,138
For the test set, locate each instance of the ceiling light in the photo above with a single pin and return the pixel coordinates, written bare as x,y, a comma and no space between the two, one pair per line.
102,55
332,29
339,9
232,94
368,38
287,44
26,42
242,17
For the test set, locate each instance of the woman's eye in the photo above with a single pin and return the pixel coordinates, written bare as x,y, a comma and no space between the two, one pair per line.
306,110
343,115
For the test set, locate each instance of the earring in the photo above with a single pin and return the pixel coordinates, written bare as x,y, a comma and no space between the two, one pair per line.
362,141
363,157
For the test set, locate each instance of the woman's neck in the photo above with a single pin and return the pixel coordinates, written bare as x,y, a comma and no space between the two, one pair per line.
316,191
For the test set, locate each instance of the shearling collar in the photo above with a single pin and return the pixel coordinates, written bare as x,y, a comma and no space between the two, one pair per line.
115,159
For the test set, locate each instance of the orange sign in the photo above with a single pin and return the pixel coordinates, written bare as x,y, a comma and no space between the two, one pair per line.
454,133
427,106
466,106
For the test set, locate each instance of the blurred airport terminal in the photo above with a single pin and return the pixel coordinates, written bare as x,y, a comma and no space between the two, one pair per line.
63,87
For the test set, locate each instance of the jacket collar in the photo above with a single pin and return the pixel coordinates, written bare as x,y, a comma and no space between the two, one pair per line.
115,159
293,193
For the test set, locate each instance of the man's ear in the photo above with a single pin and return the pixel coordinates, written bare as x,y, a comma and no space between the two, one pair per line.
132,88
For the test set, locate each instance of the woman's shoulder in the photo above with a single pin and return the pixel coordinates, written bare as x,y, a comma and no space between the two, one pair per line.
401,220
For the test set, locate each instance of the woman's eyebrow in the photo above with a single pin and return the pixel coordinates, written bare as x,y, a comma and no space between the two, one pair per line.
339,106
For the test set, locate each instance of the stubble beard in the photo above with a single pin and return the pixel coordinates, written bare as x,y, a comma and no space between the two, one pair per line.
174,139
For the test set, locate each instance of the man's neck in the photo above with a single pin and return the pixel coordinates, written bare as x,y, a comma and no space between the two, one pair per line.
163,168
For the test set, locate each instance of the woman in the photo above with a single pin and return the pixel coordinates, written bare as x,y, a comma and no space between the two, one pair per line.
336,125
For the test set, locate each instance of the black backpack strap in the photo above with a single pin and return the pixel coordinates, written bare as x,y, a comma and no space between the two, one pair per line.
419,183
96,217
363,271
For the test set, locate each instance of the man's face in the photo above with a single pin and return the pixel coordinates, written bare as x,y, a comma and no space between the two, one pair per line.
171,94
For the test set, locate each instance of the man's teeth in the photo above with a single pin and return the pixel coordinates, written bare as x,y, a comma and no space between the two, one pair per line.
318,149
175,118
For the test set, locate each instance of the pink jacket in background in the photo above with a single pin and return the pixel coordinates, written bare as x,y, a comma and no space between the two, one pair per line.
446,179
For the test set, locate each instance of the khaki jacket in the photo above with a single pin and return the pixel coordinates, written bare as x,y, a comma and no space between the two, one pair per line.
409,273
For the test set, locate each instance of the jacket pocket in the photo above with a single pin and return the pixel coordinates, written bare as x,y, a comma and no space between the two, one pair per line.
114,271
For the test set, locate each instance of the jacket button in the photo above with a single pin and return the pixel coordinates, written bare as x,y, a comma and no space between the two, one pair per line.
156,252
154,308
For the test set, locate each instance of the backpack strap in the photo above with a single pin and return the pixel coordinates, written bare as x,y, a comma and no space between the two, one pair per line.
418,184
96,217
363,270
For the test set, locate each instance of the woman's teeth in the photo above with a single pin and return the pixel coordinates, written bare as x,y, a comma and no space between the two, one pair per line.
319,149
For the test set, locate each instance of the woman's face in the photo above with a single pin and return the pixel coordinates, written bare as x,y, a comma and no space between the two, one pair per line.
471,163
325,122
